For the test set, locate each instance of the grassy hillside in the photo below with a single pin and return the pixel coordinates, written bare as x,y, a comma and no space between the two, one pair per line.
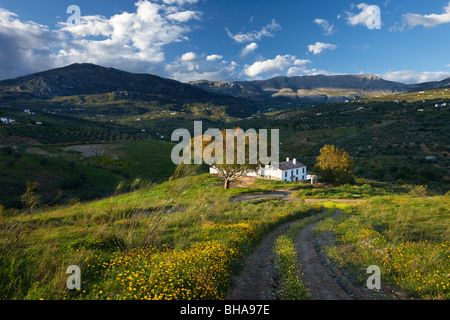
80,172
407,237
389,140
184,239
178,240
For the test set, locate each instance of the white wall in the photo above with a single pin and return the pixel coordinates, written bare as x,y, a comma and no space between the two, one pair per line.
275,173
292,175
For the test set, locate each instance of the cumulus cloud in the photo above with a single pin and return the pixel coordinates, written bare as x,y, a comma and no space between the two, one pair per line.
25,46
190,56
282,65
279,64
134,41
266,31
412,20
180,2
201,69
410,76
270,66
299,68
365,16
251,47
328,28
214,57
184,16
319,47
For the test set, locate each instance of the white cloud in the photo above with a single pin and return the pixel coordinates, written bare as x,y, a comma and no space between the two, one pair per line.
448,66
251,47
410,76
319,47
328,28
365,15
214,57
279,64
266,31
180,2
184,16
190,56
207,69
25,46
299,68
429,20
132,41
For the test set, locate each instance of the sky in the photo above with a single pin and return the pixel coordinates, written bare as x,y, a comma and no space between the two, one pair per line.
229,40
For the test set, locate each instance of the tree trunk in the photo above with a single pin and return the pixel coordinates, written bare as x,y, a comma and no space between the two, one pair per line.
227,184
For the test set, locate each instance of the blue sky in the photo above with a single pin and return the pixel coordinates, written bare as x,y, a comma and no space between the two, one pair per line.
230,40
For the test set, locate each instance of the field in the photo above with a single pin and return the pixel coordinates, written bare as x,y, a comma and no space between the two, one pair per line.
147,245
81,172
407,237
183,239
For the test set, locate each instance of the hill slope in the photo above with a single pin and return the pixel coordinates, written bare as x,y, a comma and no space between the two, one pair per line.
109,91
85,79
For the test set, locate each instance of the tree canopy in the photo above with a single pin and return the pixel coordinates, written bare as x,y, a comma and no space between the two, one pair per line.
334,165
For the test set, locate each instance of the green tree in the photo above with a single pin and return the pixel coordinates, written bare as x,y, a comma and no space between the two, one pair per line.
334,165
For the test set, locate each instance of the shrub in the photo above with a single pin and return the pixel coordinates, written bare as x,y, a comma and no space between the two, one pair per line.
418,191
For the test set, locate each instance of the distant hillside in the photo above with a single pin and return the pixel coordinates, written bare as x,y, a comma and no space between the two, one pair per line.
85,79
89,85
316,89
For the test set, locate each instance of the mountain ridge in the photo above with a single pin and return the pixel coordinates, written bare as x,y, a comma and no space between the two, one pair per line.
315,88
85,78
88,79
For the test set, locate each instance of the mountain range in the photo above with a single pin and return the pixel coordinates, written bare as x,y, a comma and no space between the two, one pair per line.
90,79
316,89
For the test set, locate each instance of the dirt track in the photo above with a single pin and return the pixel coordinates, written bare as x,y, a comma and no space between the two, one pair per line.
317,277
287,195
256,280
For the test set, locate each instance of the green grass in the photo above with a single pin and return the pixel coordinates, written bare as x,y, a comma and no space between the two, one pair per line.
148,159
407,237
176,240
362,189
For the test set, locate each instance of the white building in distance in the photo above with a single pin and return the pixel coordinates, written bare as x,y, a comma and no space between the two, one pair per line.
289,171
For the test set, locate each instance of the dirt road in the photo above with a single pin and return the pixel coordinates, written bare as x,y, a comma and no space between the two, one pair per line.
287,195
256,280
317,276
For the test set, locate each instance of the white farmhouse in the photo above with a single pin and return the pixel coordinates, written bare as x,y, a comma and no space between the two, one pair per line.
7,121
289,171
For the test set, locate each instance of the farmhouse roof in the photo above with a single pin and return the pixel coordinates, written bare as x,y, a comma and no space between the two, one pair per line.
290,165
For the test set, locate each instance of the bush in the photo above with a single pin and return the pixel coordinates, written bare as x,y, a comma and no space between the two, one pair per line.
418,191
